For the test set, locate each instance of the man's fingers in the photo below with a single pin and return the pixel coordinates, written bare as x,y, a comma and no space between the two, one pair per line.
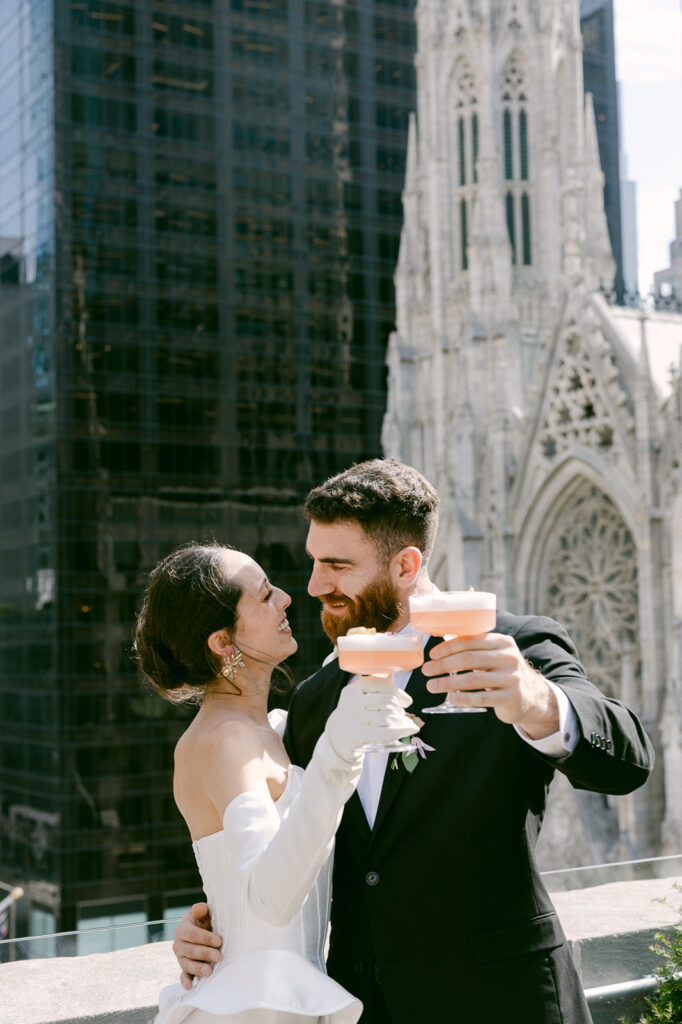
193,969
469,680
484,642
200,915
189,933
187,951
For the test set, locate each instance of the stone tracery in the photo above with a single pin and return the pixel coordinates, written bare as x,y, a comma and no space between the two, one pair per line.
578,414
591,584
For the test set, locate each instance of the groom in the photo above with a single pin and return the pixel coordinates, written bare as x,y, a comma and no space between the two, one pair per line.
439,912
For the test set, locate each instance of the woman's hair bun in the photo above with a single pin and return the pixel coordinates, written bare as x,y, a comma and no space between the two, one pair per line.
189,597
168,672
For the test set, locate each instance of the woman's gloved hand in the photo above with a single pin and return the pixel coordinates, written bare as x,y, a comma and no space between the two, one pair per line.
370,710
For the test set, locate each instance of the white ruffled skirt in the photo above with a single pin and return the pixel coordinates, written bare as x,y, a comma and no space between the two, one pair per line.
264,987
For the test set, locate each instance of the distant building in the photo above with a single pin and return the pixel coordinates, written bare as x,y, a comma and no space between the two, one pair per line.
201,208
628,224
548,420
599,75
668,282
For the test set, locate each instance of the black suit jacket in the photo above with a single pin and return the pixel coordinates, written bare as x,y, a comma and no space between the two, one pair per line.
442,901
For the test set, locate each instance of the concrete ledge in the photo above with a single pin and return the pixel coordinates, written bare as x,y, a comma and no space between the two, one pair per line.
609,926
102,988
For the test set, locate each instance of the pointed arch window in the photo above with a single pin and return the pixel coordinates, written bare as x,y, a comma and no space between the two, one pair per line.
525,229
511,227
466,155
461,143
517,161
463,235
523,144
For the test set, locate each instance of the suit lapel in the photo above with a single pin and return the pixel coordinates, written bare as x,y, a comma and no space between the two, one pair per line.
394,778
333,682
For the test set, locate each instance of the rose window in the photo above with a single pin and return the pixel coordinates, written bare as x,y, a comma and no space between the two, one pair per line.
591,572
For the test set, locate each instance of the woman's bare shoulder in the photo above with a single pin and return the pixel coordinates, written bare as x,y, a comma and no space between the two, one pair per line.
228,740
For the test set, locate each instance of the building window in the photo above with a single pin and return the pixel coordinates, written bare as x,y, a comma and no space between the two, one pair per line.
466,143
510,225
464,235
525,225
591,31
104,927
517,161
523,144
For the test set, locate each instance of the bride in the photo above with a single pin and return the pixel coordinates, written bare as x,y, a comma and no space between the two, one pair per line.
212,629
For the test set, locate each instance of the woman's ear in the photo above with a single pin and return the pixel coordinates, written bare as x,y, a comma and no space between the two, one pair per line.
220,643
405,566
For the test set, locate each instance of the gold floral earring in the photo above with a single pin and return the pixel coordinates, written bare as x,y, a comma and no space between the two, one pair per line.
231,665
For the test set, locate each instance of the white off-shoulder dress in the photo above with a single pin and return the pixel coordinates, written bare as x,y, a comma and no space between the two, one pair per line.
268,974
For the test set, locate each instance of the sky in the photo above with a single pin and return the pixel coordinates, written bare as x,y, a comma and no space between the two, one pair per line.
649,67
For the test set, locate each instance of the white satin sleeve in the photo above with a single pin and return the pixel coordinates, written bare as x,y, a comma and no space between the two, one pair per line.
278,858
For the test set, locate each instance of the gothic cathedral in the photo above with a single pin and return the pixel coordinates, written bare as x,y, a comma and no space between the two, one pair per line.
549,420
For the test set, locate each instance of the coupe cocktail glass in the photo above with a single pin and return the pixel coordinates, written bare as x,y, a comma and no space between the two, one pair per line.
380,655
452,613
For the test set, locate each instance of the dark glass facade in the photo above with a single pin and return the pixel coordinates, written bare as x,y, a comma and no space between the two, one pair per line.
199,220
599,73
200,210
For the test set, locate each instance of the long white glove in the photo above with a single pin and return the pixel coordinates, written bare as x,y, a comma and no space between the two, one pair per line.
278,861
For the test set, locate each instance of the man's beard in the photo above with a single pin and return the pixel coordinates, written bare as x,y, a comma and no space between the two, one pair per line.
376,606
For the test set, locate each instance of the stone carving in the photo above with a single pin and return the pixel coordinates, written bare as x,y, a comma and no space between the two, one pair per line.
592,586
545,417
578,415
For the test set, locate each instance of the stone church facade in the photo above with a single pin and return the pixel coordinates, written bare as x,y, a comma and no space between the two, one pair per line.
550,421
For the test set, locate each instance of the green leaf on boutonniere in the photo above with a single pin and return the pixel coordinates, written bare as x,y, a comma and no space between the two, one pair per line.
410,760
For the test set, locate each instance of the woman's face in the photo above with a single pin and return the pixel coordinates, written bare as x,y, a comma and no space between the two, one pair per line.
263,631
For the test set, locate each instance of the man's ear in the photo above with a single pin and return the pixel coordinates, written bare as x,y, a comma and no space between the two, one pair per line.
405,566
220,643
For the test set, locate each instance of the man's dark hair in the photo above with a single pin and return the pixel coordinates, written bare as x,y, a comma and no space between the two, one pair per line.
395,505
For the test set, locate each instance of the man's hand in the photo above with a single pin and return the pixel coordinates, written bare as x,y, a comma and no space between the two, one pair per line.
195,946
494,666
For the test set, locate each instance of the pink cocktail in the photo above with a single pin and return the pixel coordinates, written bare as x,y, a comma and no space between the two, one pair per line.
452,613
369,654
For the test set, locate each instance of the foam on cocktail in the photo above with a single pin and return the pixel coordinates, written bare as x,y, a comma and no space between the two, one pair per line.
447,600
365,653
453,612
378,642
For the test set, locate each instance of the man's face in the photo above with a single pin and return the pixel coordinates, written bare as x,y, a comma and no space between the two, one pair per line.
351,580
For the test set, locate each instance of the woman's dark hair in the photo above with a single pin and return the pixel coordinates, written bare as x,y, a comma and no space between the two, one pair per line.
395,505
189,596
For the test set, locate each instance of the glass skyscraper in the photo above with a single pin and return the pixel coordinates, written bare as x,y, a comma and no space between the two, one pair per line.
599,73
200,207
200,211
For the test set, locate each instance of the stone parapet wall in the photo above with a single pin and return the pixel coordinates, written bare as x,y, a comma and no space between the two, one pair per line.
609,927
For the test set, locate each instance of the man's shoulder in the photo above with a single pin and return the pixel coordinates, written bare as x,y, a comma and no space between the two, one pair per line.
318,681
513,625
538,636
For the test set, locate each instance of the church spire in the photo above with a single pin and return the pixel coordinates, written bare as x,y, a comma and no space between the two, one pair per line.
503,222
